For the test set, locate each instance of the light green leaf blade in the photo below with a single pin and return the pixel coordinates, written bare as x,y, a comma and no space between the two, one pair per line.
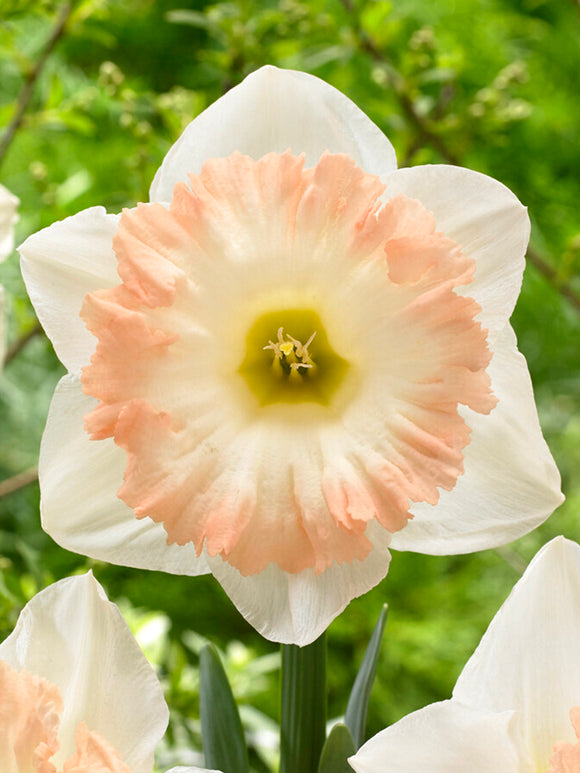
338,748
358,702
224,745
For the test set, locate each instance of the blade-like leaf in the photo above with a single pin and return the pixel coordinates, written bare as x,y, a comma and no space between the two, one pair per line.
338,748
224,746
358,702
303,710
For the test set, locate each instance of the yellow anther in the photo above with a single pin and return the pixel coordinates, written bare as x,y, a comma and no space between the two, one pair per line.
288,372
290,354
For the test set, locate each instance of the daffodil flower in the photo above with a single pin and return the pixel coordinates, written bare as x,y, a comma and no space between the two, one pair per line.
77,695
8,217
292,357
516,705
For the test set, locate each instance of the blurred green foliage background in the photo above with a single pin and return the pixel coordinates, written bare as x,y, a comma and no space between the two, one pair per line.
488,84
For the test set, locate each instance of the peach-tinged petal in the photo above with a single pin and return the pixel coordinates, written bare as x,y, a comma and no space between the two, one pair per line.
444,737
93,755
60,264
528,660
272,111
130,346
297,608
511,483
565,757
79,642
486,220
80,508
215,498
29,717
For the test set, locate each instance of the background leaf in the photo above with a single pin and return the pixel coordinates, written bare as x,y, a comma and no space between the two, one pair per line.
358,702
338,748
224,746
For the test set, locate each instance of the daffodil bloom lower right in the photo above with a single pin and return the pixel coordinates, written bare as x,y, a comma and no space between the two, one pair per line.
516,705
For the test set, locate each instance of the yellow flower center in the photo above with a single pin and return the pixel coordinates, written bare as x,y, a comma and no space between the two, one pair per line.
297,364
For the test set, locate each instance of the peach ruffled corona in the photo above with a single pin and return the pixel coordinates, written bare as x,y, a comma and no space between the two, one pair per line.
29,719
294,357
167,371
566,756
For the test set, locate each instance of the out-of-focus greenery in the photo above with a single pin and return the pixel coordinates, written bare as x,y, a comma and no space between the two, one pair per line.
489,84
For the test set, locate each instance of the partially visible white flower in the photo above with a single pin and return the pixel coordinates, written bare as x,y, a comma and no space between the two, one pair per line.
516,705
295,356
192,770
77,695
8,217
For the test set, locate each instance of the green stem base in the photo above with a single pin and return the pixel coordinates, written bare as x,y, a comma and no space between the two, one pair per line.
303,710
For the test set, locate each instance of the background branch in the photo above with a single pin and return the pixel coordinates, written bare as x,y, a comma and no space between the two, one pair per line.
28,88
17,482
427,134
21,342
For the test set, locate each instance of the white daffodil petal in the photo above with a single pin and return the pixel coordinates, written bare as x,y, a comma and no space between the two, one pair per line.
80,509
444,737
298,608
71,635
489,223
192,770
511,483
275,110
528,658
60,264
8,217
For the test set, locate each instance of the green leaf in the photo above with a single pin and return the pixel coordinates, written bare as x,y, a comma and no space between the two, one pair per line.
358,702
224,745
338,748
303,711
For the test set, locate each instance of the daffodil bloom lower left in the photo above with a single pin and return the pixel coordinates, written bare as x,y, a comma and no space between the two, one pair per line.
294,356
76,693
516,705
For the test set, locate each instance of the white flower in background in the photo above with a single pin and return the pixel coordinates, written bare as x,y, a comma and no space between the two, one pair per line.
77,693
516,705
8,217
292,351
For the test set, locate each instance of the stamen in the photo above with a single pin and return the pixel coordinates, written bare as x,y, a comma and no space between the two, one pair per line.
301,349
291,356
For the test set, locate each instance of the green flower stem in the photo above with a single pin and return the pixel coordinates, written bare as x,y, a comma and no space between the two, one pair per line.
303,715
